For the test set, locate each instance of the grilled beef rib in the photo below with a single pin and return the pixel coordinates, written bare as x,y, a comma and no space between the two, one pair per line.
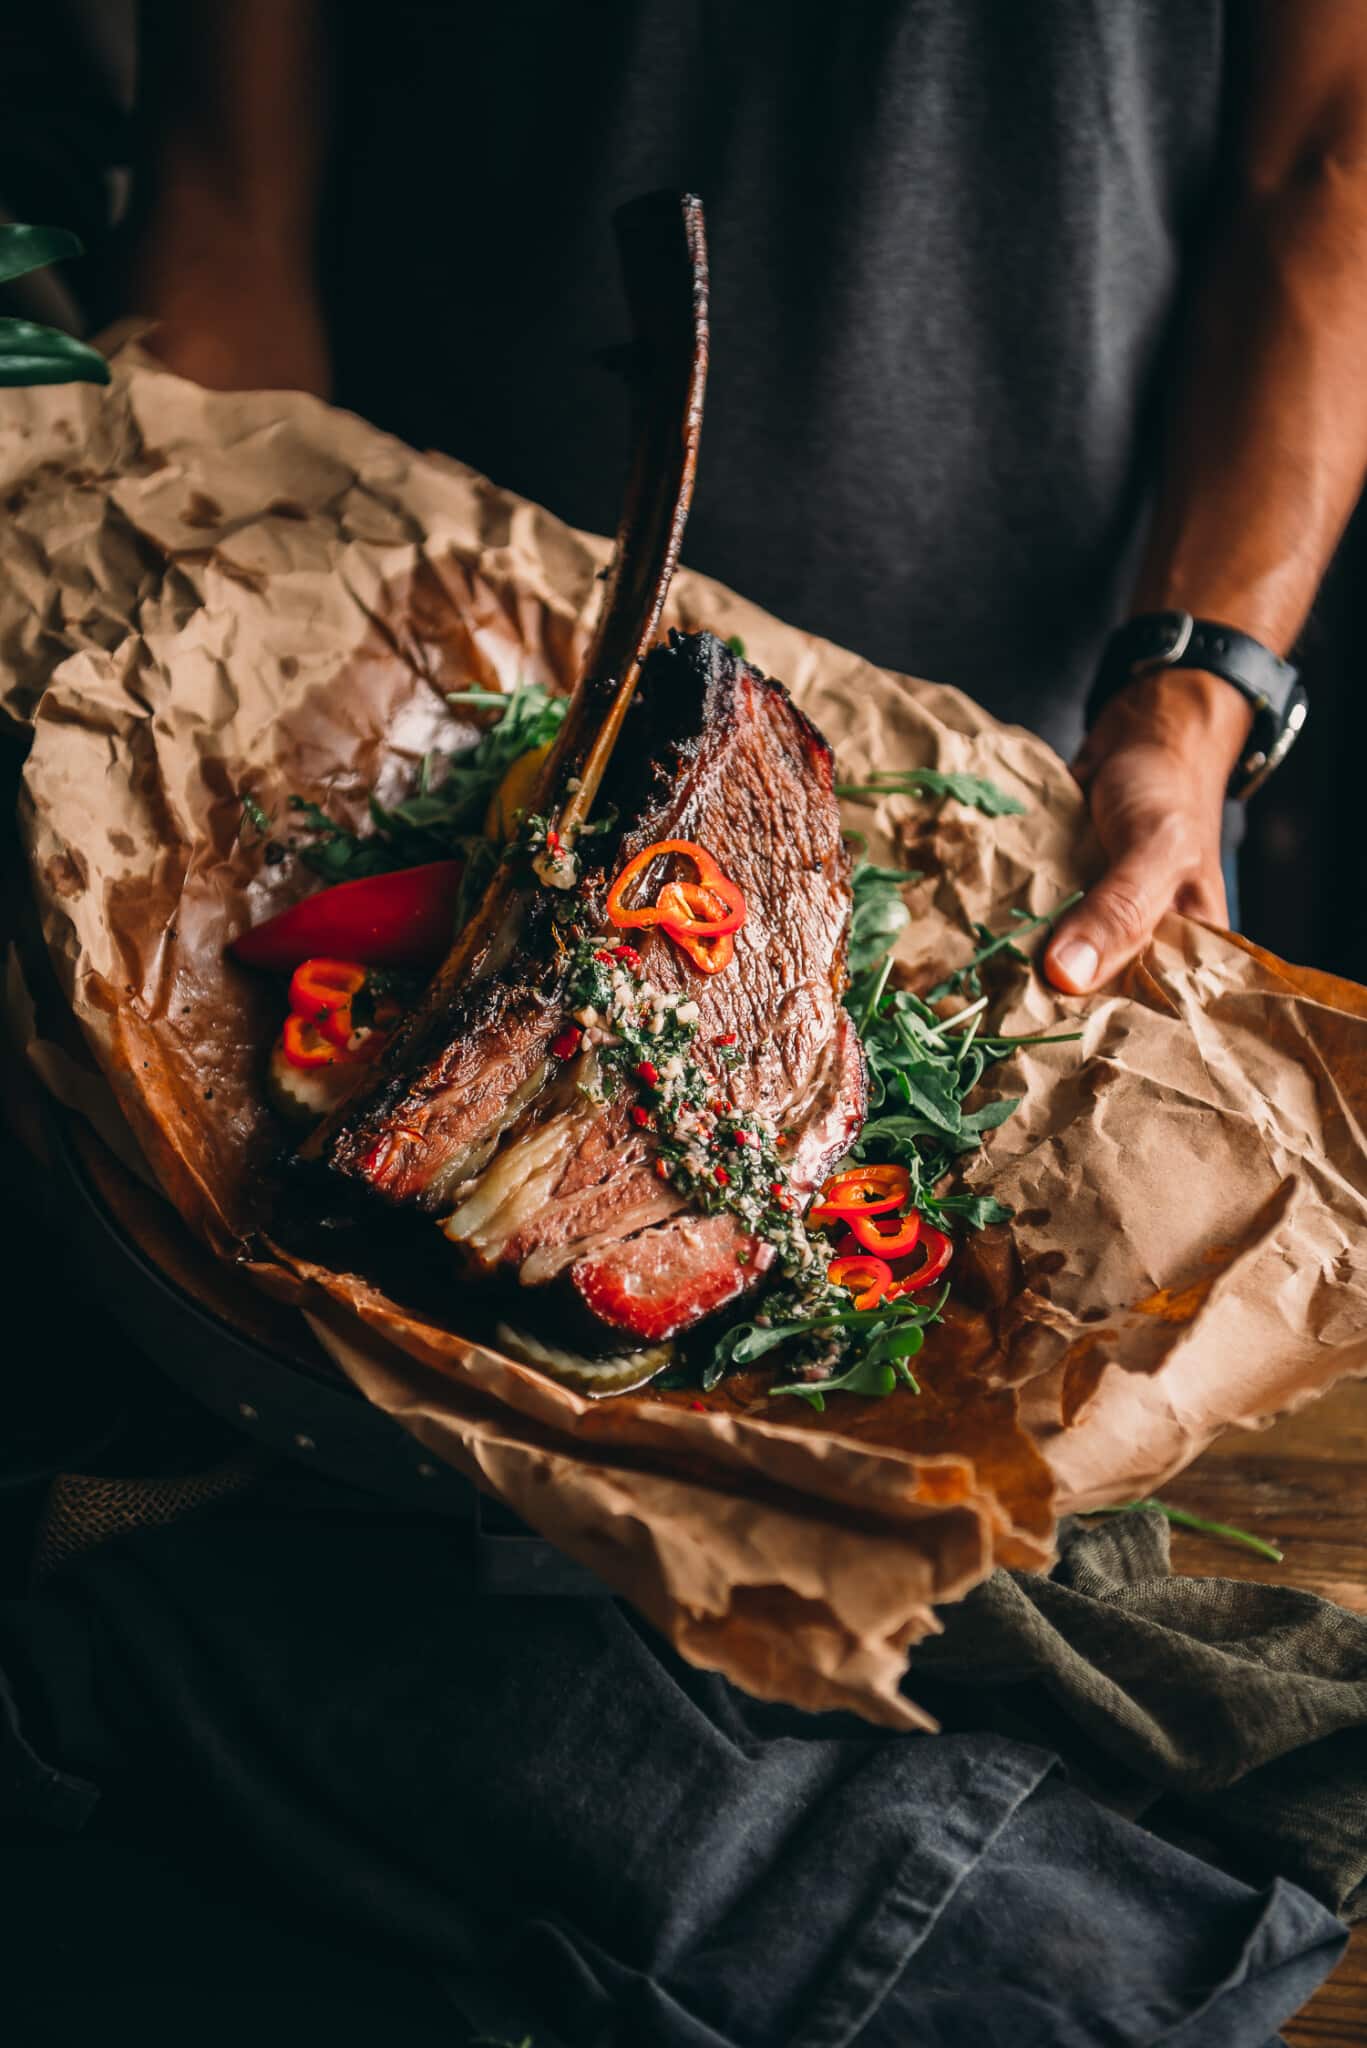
475,1120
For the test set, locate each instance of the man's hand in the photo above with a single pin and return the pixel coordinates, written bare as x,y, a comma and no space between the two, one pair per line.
1266,454
1154,768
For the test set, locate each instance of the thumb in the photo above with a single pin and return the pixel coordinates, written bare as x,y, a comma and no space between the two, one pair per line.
1114,921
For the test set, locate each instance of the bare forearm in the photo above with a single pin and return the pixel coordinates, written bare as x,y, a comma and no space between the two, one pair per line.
222,251
235,107
1264,460
1268,444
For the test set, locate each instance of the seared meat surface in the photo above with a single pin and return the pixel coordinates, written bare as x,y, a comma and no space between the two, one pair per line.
475,1120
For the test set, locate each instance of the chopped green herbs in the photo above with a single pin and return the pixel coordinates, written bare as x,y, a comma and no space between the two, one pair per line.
737,646
255,817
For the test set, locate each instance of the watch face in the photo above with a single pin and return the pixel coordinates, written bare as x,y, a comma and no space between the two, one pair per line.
1258,766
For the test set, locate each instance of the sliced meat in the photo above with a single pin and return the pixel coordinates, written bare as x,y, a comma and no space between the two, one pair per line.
475,1119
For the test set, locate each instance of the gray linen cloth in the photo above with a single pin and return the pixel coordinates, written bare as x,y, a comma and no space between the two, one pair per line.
1230,1716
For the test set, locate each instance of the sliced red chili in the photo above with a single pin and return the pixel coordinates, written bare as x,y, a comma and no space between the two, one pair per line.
891,1237
867,1278
648,913
709,956
700,917
862,1191
939,1250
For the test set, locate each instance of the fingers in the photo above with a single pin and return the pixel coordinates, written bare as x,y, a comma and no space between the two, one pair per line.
1116,919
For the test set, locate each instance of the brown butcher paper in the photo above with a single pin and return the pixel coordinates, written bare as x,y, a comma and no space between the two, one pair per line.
206,598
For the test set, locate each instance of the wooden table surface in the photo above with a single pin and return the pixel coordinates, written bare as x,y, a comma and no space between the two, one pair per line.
1302,1485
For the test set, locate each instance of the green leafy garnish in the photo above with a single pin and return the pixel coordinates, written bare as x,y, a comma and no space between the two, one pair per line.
922,1067
444,816
737,646
255,816
30,353
922,1071
888,1334
878,915
973,790
967,978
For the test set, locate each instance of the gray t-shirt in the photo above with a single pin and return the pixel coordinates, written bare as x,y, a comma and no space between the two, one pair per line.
947,241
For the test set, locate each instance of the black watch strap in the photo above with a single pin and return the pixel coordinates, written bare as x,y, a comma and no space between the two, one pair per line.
1177,640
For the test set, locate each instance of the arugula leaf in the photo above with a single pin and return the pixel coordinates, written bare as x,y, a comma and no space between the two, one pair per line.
866,1376
967,976
973,790
878,914
989,1116
977,1211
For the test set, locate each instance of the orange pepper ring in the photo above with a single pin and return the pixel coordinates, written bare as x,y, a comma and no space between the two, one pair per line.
709,956
305,1052
321,990
678,905
649,914
855,1272
896,1243
939,1250
839,1200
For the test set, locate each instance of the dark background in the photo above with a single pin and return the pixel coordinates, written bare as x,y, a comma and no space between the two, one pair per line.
1304,869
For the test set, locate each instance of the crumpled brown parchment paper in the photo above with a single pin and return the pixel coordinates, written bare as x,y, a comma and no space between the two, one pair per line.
206,597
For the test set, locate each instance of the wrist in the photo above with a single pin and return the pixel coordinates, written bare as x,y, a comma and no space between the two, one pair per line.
1196,713
1199,722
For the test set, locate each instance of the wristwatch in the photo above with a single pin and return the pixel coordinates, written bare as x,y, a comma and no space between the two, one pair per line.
1177,640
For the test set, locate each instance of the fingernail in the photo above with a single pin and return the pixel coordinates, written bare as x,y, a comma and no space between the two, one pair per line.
1076,960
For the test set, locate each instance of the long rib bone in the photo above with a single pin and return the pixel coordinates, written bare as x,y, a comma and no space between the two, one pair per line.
663,252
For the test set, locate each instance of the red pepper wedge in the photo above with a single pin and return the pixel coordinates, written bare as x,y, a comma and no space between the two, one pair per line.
867,1278
861,1191
405,919
304,1045
322,990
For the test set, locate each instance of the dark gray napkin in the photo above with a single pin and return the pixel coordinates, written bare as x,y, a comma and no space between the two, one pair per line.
1230,1712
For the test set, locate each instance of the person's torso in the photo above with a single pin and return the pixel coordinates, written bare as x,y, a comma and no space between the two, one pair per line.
945,237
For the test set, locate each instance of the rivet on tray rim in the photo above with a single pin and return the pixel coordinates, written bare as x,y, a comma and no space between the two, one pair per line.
426,1471
247,1412
305,1443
